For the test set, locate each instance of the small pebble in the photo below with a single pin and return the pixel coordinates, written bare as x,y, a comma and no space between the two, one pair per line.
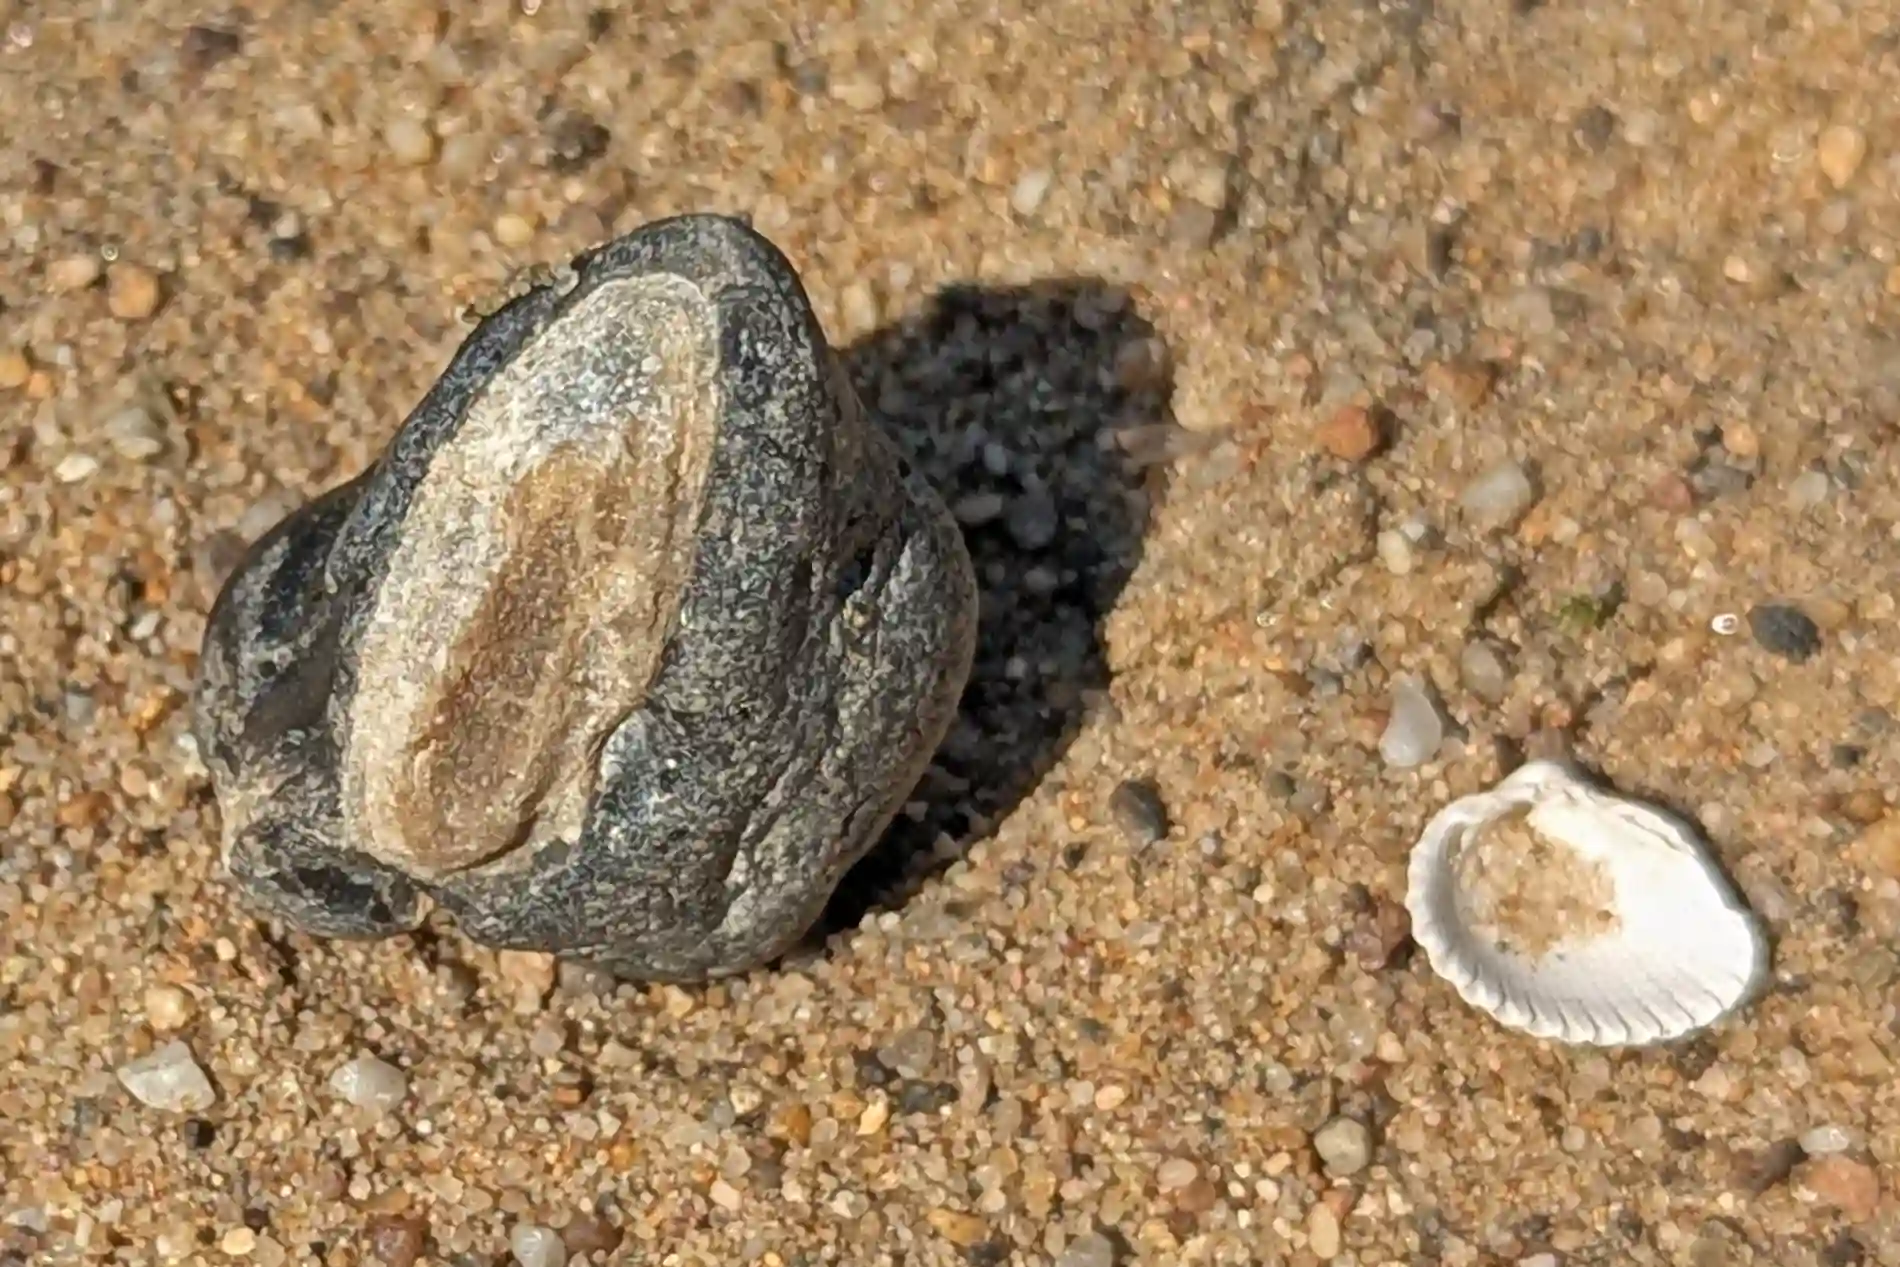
1091,1249
1823,1141
131,291
1032,520
1415,728
1322,1232
910,1053
1499,497
960,1229
1840,152
409,142
169,1079
1378,934
875,1116
1030,189
167,1007
863,94
75,468
238,1242
1137,809
1772,1165
1350,434
135,434
1741,440
1395,551
15,369
513,230
1174,1174
978,509
397,1241
75,272
1784,630
1808,490
1344,1145
1482,671
548,1040
530,975
1840,1183
724,1195
369,1083
537,1246
1672,493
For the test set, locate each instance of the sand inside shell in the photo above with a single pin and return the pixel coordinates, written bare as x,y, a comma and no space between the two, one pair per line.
1530,894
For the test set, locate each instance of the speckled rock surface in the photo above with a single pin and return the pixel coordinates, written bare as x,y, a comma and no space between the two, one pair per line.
627,647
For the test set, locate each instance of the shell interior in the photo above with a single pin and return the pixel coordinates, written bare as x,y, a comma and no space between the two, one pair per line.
1570,913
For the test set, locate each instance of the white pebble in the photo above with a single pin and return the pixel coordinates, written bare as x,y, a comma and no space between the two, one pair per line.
1175,1174
1415,729
1344,1145
169,1079
369,1083
1823,1141
135,434
536,1246
1030,189
1395,551
1500,496
75,467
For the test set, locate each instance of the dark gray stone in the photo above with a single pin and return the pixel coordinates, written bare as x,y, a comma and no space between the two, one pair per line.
632,641
1785,630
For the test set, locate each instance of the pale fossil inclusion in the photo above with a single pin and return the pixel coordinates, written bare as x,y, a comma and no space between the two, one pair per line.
632,641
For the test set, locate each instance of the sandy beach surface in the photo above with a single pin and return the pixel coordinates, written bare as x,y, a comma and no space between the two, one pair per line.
1272,354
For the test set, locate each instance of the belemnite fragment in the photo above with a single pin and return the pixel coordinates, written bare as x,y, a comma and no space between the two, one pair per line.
630,644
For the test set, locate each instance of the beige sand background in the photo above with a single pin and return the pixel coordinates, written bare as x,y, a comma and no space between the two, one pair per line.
1645,251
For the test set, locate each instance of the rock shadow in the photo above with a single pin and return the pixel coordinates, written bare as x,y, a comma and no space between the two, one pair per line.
1039,413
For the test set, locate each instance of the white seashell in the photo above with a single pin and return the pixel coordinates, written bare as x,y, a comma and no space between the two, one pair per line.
1639,939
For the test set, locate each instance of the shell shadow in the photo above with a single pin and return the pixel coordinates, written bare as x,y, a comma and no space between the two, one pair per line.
1024,407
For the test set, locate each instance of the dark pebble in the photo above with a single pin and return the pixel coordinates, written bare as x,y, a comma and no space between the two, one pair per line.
1594,128
870,1070
1844,1251
205,46
1845,756
574,142
1718,479
925,1097
1771,1166
1032,520
1784,630
199,1133
1138,810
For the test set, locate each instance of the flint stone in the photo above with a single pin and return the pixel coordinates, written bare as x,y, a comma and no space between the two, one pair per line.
633,640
